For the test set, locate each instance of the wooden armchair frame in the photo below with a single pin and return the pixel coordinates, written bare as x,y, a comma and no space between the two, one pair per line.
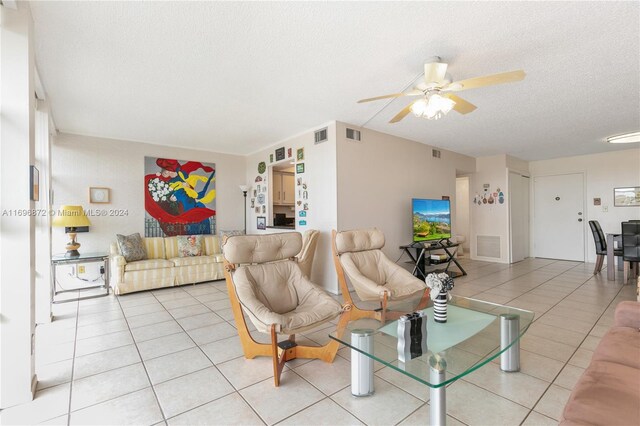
283,351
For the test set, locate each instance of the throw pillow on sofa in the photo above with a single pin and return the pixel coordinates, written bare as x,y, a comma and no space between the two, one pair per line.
189,245
131,247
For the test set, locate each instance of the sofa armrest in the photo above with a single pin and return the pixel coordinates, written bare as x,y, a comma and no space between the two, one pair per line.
116,269
628,314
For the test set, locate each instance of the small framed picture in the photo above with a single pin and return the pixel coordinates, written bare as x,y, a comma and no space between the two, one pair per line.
289,152
300,154
626,197
271,158
280,154
261,222
34,176
300,168
99,195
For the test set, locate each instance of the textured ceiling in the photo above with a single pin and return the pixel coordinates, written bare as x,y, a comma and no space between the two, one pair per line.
237,77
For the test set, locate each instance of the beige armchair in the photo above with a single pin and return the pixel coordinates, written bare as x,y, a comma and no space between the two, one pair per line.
265,282
358,257
305,257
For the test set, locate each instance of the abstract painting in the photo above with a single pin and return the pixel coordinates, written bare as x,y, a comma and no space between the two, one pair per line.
179,197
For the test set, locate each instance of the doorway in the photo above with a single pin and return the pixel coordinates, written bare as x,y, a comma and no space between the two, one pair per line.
559,217
518,217
461,228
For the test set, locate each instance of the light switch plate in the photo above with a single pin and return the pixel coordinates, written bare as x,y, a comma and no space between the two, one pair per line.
605,209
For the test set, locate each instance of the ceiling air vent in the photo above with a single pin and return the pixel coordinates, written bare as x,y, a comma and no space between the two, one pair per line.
353,134
435,153
321,136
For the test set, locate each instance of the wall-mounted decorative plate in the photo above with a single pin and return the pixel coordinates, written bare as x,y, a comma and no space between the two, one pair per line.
99,195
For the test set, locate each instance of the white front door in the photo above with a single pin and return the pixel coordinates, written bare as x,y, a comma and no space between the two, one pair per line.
559,217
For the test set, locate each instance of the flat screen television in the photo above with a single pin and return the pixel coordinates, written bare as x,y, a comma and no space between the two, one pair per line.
431,219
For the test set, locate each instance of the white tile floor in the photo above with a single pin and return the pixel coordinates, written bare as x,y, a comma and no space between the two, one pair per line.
172,356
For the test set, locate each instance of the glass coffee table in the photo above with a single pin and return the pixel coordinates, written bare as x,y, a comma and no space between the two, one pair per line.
476,332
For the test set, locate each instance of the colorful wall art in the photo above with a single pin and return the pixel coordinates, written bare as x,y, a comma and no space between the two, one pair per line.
179,197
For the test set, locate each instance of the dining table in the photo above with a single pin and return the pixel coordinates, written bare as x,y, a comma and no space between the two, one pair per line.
612,240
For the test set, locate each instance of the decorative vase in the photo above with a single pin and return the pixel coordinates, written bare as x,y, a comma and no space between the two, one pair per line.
440,307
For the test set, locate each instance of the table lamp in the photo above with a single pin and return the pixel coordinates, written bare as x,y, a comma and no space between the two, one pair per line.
71,217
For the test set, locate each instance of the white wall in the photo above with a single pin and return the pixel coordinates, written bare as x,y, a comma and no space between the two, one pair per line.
17,231
603,172
380,174
80,162
490,219
320,177
462,210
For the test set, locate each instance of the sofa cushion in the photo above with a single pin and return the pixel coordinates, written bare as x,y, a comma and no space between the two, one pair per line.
154,247
143,265
131,247
606,394
193,260
211,245
189,245
171,247
620,345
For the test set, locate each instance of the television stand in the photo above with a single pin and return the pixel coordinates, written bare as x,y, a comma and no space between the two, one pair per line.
419,252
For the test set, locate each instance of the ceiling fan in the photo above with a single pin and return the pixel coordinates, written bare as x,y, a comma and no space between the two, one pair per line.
436,98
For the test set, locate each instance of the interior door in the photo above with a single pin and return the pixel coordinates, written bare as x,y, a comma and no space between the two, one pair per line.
518,216
559,217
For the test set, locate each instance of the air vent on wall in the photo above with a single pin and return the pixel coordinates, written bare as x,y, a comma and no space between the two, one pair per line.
321,136
488,246
353,134
435,153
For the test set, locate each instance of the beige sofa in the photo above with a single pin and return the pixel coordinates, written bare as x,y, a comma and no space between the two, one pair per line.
163,267
608,392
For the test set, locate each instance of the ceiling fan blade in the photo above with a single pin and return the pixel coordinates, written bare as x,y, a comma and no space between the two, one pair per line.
393,95
462,106
435,72
489,80
402,114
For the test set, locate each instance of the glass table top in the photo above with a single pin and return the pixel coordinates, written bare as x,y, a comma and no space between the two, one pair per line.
61,258
469,339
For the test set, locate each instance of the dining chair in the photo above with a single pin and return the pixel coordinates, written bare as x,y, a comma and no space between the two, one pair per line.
630,249
601,245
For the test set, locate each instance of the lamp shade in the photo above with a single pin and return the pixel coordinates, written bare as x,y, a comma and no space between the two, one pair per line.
244,188
71,217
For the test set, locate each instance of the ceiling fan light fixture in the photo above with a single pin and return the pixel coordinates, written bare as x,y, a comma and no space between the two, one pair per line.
419,107
433,107
632,137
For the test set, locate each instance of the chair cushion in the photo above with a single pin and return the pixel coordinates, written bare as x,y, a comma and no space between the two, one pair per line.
277,293
189,245
194,260
143,265
131,247
359,240
372,274
262,248
228,233
606,394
